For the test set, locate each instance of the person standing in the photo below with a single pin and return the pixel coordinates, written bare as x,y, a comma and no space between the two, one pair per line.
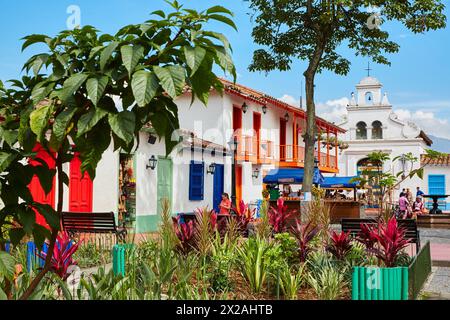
403,193
419,192
225,204
404,206
409,196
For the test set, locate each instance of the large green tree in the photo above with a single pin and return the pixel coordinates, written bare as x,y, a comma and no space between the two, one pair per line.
69,102
315,31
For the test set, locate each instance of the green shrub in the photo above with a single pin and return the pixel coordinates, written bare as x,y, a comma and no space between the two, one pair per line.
328,283
289,247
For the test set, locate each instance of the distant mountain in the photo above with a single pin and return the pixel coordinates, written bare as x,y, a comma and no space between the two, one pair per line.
440,144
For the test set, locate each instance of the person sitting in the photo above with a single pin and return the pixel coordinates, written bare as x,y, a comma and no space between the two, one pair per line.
225,204
417,207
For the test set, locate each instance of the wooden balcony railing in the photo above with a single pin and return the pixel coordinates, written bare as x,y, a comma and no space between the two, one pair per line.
266,152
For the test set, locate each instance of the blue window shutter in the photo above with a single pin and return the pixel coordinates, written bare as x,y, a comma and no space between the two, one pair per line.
196,180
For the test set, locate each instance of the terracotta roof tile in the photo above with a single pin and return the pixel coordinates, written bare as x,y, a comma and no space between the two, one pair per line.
441,161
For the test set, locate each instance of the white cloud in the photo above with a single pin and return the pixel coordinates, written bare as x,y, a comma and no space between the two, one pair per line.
427,121
331,110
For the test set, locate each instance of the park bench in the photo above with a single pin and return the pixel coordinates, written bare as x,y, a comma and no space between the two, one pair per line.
410,225
76,223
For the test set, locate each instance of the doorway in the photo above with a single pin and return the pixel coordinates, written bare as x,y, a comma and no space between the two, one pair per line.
218,186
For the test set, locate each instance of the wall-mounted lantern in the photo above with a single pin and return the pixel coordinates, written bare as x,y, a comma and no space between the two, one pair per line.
152,163
151,138
211,169
255,173
244,107
286,117
264,109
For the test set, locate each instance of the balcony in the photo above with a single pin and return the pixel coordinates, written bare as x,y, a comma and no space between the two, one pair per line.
283,156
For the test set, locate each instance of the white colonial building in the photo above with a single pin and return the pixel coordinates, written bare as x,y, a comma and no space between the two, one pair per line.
372,125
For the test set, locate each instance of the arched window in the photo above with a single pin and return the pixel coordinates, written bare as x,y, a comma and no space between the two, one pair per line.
377,130
361,131
369,98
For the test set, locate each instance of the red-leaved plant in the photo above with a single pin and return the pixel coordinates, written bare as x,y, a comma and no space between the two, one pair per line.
304,234
64,249
185,233
340,244
390,242
367,236
279,216
244,216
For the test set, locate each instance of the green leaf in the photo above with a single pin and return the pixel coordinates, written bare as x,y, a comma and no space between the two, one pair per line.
34,38
38,62
40,91
3,295
5,160
27,218
71,85
225,61
106,54
159,13
89,120
123,124
144,85
194,57
45,176
172,79
223,19
40,233
7,265
219,9
96,87
16,235
39,121
131,56
60,126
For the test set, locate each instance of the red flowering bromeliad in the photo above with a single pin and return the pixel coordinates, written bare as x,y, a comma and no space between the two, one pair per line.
340,244
62,255
304,234
279,216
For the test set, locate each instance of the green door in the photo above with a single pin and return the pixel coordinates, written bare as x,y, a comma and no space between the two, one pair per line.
164,191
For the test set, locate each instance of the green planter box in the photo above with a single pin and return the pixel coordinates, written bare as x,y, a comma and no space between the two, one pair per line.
400,283
372,283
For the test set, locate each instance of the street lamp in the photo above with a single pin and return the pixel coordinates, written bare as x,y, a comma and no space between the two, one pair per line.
233,143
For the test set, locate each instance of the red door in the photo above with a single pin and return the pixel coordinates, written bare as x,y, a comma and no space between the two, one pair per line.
257,129
80,188
35,187
237,118
282,139
238,185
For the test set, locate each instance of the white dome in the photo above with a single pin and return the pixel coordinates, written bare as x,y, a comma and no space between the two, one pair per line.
369,81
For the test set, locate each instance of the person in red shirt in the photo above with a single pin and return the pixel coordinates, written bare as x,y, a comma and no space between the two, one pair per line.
225,204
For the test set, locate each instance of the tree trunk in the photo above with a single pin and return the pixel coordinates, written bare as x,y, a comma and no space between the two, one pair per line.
310,134
53,236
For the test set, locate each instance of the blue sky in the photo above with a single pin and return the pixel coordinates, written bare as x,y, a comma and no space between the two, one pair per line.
418,82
